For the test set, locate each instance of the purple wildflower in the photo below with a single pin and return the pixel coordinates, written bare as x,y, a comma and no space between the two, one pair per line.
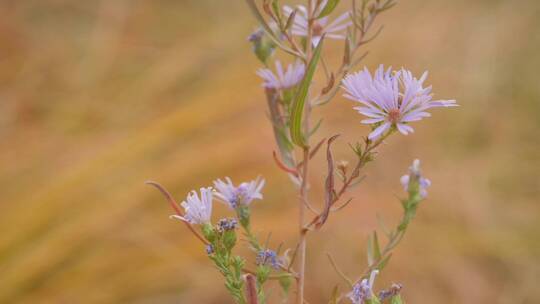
415,174
391,99
364,290
268,257
197,211
283,80
242,194
323,26
209,249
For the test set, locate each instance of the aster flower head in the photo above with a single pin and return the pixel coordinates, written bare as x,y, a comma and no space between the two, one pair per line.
322,26
364,290
415,175
241,195
198,211
391,99
282,80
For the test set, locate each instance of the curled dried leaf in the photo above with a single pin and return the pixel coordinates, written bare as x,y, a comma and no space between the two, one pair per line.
329,185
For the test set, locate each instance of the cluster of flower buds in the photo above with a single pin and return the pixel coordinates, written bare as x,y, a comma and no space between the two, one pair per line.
226,225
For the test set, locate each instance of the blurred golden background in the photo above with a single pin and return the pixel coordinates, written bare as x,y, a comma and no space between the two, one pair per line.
98,96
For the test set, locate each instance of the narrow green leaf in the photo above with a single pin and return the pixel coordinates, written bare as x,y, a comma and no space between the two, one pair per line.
335,295
383,226
373,249
315,128
384,262
276,10
369,249
376,247
328,8
297,108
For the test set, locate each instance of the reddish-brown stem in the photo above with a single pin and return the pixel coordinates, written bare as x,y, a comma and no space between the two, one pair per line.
251,289
177,210
282,166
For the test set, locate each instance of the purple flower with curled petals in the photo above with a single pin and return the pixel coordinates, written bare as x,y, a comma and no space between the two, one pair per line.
197,210
282,80
391,99
322,26
242,194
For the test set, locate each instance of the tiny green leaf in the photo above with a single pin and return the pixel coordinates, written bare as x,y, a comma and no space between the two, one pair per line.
297,108
384,262
396,300
373,249
335,296
276,10
328,8
285,283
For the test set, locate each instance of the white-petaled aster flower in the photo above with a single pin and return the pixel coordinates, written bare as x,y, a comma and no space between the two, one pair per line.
282,80
323,26
364,290
198,211
242,194
415,174
391,99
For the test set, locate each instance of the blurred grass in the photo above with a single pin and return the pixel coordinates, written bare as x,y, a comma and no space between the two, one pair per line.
97,97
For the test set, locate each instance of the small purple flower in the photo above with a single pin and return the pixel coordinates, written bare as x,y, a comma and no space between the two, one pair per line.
391,99
323,26
209,249
268,257
283,80
415,174
364,290
242,194
197,211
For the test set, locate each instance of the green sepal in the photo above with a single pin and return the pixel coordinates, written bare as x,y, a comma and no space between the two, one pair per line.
243,215
263,271
209,233
229,239
396,300
285,283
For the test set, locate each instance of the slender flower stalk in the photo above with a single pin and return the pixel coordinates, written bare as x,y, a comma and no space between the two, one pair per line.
391,99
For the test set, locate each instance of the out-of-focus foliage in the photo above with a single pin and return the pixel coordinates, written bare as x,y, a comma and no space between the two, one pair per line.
98,96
